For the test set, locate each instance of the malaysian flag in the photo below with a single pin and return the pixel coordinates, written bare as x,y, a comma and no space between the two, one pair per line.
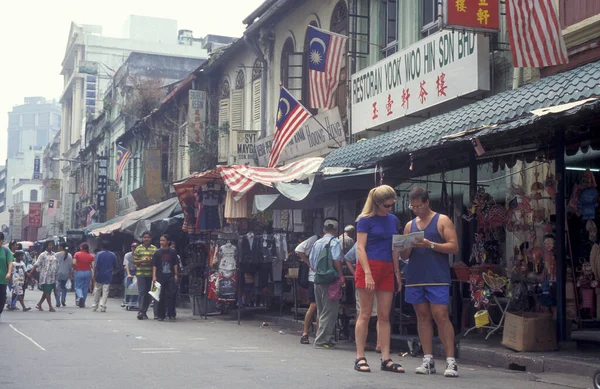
52,205
290,116
535,36
325,55
123,155
91,212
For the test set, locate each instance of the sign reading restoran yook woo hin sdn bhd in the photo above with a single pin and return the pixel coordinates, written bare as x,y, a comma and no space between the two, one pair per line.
439,68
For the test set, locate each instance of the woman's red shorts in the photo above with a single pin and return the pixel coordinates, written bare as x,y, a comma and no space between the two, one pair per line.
382,272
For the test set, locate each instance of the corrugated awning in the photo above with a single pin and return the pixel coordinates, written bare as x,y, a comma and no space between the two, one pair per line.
137,222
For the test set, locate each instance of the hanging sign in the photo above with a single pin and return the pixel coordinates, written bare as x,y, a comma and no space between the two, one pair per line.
102,183
36,168
246,152
473,15
196,115
35,214
435,70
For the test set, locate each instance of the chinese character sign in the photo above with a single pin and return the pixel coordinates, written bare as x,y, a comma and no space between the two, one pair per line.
36,168
442,67
476,15
35,214
102,182
196,115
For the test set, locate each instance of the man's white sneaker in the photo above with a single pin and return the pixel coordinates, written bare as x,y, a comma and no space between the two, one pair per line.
451,370
428,367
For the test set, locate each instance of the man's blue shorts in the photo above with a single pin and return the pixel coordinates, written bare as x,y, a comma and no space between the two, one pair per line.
435,294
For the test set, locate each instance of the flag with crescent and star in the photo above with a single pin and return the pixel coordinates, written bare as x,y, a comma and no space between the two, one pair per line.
325,57
290,116
123,155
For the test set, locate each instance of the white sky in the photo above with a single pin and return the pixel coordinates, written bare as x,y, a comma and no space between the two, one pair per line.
33,37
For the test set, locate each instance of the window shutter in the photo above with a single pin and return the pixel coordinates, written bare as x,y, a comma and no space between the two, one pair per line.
223,112
256,101
223,147
295,61
237,110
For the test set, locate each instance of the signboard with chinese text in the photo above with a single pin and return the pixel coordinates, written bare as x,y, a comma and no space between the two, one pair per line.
68,214
311,140
473,15
153,174
434,70
196,116
245,149
36,168
35,214
17,226
102,183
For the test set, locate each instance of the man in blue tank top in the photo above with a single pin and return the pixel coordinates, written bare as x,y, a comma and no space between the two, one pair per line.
428,278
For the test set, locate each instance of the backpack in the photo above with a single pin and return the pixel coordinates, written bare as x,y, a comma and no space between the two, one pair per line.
325,273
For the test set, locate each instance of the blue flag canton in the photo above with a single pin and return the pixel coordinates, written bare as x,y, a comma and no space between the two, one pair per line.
120,152
318,45
287,103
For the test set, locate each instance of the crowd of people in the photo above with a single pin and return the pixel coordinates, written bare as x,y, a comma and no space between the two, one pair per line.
56,272
375,265
366,249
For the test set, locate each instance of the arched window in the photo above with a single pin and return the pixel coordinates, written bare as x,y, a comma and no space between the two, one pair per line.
339,25
291,69
33,195
237,102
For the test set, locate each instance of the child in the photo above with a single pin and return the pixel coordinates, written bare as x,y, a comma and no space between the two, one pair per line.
18,281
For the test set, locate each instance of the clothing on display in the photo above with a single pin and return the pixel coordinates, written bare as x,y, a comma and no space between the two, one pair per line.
209,198
227,255
236,209
281,256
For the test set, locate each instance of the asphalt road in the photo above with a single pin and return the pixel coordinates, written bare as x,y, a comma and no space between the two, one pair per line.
76,348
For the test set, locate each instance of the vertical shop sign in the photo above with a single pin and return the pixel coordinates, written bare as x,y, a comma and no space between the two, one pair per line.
153,181
36,168
102,183
196,115
35,214
17,227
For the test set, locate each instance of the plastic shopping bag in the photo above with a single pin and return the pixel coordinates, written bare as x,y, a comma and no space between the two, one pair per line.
133,284
68,285
335,290
155,291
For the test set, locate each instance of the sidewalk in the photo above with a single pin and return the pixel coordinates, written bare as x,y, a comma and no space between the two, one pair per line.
473,349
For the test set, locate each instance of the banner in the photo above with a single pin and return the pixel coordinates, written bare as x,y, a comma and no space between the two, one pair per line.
196,115
153,174
102,183
35,214
17,227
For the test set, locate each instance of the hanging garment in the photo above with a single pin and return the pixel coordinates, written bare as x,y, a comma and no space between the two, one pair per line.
251,253
235,209
227,260
281,256
210,196
268,248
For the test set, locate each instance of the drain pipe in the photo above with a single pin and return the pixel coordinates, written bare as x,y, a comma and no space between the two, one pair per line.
254,46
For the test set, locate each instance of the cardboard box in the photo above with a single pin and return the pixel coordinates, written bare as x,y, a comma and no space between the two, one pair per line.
529,331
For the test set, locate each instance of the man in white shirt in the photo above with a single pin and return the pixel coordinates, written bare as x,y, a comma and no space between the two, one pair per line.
303,250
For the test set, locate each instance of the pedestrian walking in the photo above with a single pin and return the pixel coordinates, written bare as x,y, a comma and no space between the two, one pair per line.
179,273
165,270
428,278
19,273
129,269
83,262
142,259
328,248
6,264
63,275
47,264
374,275
104,266
303,250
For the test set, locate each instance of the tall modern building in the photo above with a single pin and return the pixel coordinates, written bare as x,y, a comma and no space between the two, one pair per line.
32,125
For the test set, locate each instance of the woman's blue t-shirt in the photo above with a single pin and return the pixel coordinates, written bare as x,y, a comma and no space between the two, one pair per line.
380,231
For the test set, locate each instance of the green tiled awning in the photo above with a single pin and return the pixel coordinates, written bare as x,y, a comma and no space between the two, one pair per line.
510,109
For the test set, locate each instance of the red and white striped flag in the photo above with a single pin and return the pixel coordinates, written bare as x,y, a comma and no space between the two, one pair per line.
290,116
325,56
123,155
535,35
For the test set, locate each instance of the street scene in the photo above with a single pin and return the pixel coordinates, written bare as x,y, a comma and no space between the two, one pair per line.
323,193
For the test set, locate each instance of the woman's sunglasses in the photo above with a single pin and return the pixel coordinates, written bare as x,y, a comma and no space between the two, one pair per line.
388,206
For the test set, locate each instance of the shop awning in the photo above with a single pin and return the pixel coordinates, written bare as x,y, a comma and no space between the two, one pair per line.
137,222
502,112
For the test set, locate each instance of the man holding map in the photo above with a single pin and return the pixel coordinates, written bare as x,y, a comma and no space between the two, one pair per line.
428,277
